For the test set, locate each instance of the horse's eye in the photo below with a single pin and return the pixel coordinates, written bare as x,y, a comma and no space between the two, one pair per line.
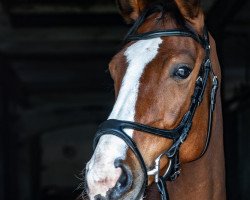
182,72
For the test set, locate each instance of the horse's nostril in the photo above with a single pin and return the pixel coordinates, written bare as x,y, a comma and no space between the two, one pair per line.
124,183
99,197
118,162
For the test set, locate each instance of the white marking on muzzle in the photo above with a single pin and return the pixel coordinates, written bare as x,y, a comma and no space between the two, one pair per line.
101,166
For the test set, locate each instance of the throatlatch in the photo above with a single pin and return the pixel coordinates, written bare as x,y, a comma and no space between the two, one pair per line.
180,133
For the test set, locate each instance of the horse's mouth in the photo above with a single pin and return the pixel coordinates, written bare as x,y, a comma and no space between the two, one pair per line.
122,187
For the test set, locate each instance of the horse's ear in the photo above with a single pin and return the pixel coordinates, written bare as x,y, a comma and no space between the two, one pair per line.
192,11
131,9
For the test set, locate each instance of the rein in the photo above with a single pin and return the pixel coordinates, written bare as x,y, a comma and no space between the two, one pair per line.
180,133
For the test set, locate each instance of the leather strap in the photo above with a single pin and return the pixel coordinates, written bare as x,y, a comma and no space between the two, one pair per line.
167,33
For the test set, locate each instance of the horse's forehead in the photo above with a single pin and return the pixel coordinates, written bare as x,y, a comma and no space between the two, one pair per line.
142,51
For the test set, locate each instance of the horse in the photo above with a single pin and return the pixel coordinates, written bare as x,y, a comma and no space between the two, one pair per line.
164,136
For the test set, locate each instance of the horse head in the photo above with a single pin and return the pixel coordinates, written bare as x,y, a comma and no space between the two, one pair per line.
164,86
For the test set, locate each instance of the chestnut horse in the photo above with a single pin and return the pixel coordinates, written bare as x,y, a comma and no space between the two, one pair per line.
166,122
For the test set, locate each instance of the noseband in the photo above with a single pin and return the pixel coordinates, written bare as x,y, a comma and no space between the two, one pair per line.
180,133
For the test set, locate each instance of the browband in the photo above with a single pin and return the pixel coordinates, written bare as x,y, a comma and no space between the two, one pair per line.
168,33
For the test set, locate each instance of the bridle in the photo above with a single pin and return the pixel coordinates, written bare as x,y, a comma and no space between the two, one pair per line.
180,133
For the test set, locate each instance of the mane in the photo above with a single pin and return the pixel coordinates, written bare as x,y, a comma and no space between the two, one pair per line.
168,10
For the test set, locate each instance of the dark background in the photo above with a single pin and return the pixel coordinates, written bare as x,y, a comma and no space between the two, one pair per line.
55,90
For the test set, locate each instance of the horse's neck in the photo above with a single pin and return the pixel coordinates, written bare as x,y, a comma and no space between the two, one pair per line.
204,178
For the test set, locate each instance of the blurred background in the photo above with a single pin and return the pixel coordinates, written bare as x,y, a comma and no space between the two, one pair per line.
55,90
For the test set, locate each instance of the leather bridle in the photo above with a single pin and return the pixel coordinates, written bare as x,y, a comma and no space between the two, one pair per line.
180,133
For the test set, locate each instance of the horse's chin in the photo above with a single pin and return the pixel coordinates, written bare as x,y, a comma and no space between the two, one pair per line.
136,188
132,194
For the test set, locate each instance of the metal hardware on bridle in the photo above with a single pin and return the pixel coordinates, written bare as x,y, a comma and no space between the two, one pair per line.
180,133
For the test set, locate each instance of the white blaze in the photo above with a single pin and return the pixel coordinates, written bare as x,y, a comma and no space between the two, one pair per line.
110,147
138,56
